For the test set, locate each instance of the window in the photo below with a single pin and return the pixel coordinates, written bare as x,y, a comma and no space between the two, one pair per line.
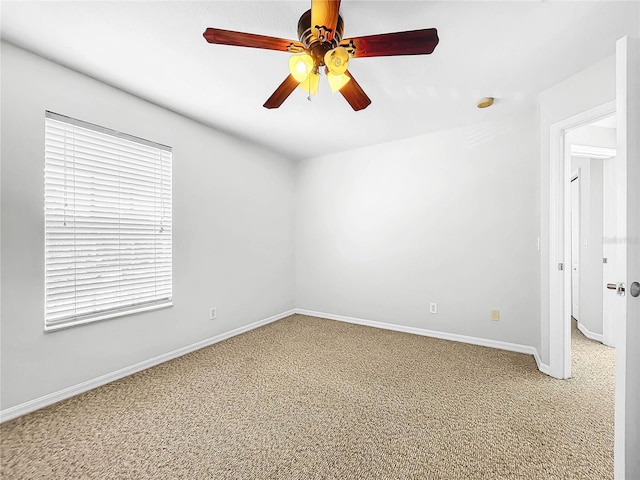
107,223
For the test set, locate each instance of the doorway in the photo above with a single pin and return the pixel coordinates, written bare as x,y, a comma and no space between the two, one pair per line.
591,152
560,286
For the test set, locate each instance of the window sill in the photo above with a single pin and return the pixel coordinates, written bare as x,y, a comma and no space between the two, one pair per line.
107,315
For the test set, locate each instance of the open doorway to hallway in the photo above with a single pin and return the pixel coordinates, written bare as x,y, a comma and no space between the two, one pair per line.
591,150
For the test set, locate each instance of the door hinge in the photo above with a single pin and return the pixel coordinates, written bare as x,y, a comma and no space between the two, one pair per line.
605,260
561,266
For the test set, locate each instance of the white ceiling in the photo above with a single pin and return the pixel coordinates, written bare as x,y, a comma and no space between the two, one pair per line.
510,50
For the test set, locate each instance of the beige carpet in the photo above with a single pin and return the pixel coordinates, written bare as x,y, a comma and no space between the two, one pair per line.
311,398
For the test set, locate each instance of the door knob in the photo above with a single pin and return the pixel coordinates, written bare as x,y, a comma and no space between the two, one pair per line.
618,287
634,289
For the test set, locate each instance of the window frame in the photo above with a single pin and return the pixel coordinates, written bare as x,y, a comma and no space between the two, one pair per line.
165,160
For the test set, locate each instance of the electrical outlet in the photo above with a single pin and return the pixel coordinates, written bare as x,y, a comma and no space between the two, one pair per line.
433,308
495,315
213,313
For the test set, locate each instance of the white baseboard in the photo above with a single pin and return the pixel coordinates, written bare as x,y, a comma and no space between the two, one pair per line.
55,397
543,367
589,334
484,342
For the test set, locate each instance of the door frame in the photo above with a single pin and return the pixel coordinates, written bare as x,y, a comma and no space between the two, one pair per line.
560,237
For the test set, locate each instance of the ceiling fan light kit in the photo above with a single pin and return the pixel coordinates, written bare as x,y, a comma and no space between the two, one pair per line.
321,45
336,82
311,83
301,66
337,60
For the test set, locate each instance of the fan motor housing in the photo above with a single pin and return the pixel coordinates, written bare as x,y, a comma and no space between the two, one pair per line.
314,38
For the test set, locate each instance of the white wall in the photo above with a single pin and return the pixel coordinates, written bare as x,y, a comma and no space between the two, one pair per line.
588,89
449,217
233,232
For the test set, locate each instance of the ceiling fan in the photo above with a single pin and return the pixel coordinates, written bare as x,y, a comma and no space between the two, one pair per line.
321,45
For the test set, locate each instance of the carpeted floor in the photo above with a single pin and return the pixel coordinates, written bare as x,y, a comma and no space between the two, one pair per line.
306,398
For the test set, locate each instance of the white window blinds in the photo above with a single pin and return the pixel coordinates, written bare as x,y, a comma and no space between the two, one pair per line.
107,223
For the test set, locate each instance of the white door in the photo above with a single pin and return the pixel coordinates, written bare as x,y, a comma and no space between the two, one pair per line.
575,246
627,428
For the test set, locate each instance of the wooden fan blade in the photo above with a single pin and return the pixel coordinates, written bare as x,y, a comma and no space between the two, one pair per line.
239,39
414,42
353,93
324,14
282,92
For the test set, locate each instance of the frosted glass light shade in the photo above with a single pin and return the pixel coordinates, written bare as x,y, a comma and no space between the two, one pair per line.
310,84
300,66
336,82
337,60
